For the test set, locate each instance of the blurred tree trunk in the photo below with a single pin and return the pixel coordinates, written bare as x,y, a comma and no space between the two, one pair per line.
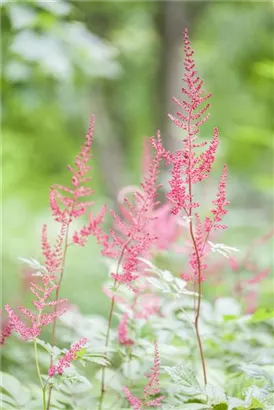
110,150
175,17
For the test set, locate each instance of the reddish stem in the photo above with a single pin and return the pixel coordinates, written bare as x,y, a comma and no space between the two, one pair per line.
198,310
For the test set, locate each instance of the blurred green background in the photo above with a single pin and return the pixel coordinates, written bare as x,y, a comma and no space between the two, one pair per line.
123,62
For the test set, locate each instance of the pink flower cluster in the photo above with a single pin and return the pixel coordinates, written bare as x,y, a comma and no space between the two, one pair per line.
65,362
6,330
123,332
135,237
39,319
248,288
67,197
66,204
133,401
190,166
152,388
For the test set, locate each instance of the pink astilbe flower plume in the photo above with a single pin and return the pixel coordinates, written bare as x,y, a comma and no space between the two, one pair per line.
68,204
249,288
123,331
219,211
65,362
135,237
151,389
165,225
190,166
135,403
5,328
36,320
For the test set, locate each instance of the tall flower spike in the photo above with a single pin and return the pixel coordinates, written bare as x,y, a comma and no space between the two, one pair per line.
152,387
68,203
194,93
135,237
190,167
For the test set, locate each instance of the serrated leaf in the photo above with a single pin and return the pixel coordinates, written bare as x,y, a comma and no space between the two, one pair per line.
185,379
158,284
215,394
52,350
102,361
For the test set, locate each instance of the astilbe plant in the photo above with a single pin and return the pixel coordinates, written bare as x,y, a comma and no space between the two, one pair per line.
67,204
190,167
141,228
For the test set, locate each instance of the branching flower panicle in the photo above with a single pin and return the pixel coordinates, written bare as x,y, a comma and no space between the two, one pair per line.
190,166
37,320
135,237
65,362
68,203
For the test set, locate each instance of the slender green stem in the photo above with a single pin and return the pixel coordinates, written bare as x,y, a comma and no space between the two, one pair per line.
39,374
103,389
106,345
53,335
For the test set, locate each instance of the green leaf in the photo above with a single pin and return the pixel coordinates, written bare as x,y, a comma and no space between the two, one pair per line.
185,379
81,353
59,8
234,402
261,314
4,398
215,394
253,397
52,350
13,387
220,406
256,372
